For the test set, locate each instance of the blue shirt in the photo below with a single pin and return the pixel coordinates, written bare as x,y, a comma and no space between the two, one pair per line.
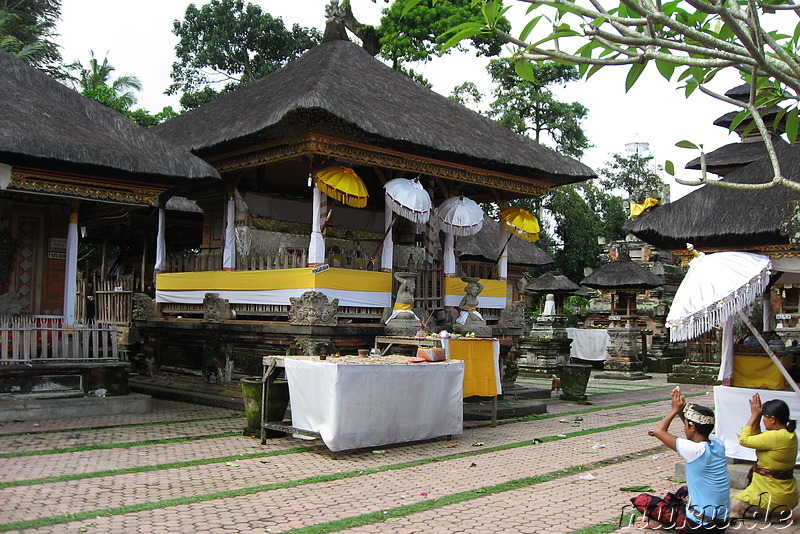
706,479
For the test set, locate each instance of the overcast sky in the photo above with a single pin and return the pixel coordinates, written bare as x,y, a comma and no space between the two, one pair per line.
137,38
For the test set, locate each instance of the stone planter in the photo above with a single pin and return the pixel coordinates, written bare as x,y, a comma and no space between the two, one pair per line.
574,378
277,403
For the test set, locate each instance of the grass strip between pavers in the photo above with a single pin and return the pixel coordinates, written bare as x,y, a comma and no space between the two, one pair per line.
125,425
80,516
455,498
116,445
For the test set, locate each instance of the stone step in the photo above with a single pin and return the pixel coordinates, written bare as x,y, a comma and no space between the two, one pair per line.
30,409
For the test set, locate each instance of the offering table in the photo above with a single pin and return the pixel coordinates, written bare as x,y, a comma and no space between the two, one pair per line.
481,357
352,402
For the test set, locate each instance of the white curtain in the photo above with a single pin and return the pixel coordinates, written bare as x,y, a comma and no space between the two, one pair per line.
726,359
71,270
229,250
161,245
387,254
316,247
449,254
502,264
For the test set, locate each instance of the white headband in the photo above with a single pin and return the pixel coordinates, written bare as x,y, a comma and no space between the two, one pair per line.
696,417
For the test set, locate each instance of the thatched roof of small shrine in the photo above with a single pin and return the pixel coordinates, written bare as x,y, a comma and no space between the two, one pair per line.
720,217
552,282
49,126
622,274
734,155
485,246
339,89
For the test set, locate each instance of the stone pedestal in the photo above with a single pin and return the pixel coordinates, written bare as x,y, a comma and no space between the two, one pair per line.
624,348
546,347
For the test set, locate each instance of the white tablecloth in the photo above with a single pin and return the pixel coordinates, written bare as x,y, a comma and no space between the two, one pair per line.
367,405
588,343
732,410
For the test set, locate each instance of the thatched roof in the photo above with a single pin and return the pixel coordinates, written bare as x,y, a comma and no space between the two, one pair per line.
338,89
485,246
719,217
622,274
552,282
49,126
734,155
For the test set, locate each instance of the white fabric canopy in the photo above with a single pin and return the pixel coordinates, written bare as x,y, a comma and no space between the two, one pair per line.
229,250
387,253
71,270
161,245
316,247
716,287
588,343
460,216
732,408
368,405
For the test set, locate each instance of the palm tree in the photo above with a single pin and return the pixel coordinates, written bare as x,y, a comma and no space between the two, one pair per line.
98,75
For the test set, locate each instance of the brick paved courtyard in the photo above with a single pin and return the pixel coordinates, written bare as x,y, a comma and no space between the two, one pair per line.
187,468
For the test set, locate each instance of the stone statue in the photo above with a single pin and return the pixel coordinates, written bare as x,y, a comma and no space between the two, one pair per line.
314,308
469,319
403,321
215,309
513,315
143,307
549,305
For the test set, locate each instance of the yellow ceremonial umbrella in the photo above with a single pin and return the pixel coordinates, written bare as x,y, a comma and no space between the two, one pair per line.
344,185
521,222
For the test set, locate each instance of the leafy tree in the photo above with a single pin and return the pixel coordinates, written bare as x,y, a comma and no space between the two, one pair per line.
417,34
467,94
577,226
92,78
27,30
636,174
529,108
689,42
230,43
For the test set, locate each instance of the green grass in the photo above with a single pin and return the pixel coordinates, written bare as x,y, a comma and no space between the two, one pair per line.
99,447
333,526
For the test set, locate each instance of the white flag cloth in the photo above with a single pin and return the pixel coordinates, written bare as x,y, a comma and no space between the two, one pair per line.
715,288
449,254
71,270
229,250
387,254
430,240
316,248
502,263
726,358
161,245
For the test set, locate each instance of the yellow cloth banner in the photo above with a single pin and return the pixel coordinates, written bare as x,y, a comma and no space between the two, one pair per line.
480,375
343,279
758,372
638,209
491,288
400,306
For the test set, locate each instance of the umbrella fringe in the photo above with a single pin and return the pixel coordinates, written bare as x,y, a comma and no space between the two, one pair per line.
461,230
696,324
415,216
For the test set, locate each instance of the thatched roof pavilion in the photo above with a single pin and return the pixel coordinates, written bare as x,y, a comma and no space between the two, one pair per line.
338,101
484,246
622,274
51,132
552,282
720,217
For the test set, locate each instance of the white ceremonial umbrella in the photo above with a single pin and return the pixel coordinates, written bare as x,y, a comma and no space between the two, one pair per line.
460,216
717,287
408,199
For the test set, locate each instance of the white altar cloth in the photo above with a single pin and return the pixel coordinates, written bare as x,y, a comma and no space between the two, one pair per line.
367,405
588,343
732,410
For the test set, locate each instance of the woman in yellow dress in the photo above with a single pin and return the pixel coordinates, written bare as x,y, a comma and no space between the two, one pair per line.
773,488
